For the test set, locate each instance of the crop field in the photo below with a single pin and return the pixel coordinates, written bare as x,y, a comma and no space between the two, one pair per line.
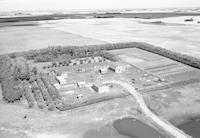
101,31
28,37
157,65
113,30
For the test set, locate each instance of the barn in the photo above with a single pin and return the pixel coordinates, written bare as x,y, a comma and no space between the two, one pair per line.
100,88
118,68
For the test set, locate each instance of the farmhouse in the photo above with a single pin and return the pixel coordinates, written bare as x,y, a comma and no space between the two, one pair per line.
61,80
103,70
100,88
81,84
118,68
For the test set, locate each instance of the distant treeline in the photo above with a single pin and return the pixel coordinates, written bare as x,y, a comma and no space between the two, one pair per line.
55,53
40,18
143,15
51,53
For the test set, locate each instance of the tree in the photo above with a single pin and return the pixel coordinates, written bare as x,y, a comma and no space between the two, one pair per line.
34,71
38,95
44,92
21,70
28,94
11,90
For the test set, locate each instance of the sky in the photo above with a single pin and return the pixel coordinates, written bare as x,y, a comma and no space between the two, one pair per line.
15,5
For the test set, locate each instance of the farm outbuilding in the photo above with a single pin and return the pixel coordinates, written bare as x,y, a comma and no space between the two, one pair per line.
81,84
69,85
118,67
103,70
100,88
61,80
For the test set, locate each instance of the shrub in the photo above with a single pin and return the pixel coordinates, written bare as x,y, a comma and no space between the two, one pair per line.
34,71
51,107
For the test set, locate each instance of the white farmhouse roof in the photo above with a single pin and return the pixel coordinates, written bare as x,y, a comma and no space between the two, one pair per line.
61,79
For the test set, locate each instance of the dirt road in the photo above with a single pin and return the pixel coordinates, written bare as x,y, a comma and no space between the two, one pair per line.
165,125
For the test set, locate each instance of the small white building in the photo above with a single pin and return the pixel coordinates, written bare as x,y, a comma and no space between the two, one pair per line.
57,85
103,70
100,88
61,80
69,85
81,84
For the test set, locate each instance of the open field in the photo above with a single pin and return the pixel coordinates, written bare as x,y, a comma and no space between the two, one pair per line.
143,15
78,123
172,37
159,66
23,38
100,31
177,104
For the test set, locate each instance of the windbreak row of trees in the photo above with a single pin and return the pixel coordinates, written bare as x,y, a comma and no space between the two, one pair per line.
12,73
44,93
51,53
18,80
48,54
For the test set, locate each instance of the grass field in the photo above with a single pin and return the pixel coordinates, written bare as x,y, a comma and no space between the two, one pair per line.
23,38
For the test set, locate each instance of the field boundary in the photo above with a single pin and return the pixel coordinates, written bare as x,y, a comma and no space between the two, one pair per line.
94,49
